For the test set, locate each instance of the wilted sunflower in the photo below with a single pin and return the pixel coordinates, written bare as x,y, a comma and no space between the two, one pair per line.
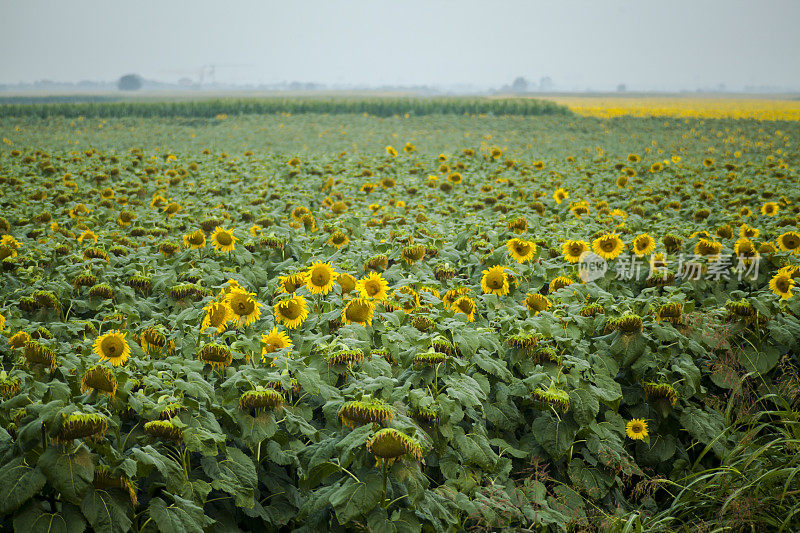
636,429
19,339
100,379
223,240
521,250
745,251
608,246
196,239
291,311
495,281
153,341
536,302
558,283
218,314
88,235
361,412
389,444
261,399
112,347
708,248
373,286
320,277
358,311
244,307
781,284
466,305
573,250
789,242
216,355
81,426
272,342
643,244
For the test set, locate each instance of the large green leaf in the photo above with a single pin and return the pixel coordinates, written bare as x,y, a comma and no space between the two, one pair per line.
356,498
32,518
235,474
18,483
69,472
182,516
105,512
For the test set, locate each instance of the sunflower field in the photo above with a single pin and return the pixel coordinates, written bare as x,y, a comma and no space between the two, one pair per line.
427,319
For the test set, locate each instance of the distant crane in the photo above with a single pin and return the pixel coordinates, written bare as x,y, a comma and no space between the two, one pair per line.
207,72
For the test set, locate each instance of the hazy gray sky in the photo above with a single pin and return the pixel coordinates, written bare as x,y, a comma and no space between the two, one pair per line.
644,43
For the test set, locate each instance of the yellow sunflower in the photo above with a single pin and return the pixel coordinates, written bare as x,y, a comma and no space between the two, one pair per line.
338,240
636,429
320,277
112,347
770,209
573,250
521,250
608,246
273,342
88,235
560,195
2,322
291,282
789,242
495,281
244,308
196,239
536,302
391,151
748,232
466,305
291,311
218,314
346,282
358,311
373,286
781,284
223,240
643,244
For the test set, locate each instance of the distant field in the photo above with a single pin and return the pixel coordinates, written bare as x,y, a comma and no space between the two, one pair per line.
720,106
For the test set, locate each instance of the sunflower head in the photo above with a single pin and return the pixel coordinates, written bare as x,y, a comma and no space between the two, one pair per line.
670,312
552,397
495,281
273,342
444,271
320,277
361,412
112,347
195,240
414,253
346,282
244,308
389,444
521,250
223,239
292,311
781,284
426,359
643,244
345,357
164,430
373,286
536,302
82,426
216,355
358,311
672,243
466,305
261,399
573,250
789,242
660,392
636,429
100,379
608,246
558,283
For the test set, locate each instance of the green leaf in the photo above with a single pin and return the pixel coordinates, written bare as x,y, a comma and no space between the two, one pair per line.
555,436
707,426
182,516
594,482
236,475
33,519
104,512
18,483
585,406
356,498
69,473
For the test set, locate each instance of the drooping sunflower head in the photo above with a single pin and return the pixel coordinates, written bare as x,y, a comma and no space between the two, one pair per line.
361,412
657,392
291,282
573,250
629,324
444,271
536,302
163,429
636,429
608,246
39,354
261,399
291,311
195,240
244,307
708,248
551,397
670,312
373,286
495,281
358,311
413,253
521,250
223,240
112,347
560,195
99,378
466,305
748,232
320,277
745,250
273,342
346,356
672,243
218,314
643,244
216,355
346,282
558,283
82,426
389,444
